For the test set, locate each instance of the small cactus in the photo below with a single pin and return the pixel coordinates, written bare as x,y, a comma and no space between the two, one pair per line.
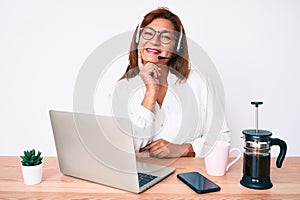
30,159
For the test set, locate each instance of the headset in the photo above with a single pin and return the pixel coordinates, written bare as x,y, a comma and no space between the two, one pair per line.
179,45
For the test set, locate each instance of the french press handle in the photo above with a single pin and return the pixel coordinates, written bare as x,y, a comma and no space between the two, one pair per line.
283,147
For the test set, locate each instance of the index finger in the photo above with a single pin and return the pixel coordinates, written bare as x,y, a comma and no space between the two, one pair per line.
140,63
150,146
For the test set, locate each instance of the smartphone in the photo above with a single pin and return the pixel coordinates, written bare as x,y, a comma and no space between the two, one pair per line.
198,182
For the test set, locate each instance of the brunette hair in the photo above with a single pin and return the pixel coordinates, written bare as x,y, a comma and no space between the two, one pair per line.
179,62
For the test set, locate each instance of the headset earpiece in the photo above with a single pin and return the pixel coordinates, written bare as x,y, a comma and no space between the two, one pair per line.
137,37
179,47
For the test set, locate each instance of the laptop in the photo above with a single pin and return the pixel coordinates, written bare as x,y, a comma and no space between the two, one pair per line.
100,149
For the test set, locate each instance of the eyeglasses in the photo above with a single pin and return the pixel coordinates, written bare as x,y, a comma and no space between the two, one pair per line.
165,37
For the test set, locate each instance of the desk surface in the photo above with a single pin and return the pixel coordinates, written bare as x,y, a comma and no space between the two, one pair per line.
286,182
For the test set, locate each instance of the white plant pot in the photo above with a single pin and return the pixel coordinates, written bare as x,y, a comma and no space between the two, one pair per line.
32,174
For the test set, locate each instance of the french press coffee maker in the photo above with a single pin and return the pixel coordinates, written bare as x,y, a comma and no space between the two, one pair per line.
256,161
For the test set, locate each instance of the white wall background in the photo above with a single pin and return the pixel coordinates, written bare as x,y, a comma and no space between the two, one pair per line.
254,44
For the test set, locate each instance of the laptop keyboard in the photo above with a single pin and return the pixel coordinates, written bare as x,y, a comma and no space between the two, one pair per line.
145,178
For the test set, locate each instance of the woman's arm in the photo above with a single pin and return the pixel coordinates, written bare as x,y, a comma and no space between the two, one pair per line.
127,99
164,149
150,97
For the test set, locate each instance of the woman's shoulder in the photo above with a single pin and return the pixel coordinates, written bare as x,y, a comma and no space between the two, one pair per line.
196,77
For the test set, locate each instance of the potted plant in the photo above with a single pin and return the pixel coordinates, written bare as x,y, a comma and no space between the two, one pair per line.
32,167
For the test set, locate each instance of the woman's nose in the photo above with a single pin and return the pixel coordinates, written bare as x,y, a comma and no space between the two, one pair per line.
155,40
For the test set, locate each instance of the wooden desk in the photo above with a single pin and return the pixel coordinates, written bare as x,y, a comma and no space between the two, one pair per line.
286,181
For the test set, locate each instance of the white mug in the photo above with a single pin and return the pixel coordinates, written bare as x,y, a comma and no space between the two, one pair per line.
216,161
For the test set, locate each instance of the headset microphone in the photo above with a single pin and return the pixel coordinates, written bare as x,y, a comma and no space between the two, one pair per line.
163,58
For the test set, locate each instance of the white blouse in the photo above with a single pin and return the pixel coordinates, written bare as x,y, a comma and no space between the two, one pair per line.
184,117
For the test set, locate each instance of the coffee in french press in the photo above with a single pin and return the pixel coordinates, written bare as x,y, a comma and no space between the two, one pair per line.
256,161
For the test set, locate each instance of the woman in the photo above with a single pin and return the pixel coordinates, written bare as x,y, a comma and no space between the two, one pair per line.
166,100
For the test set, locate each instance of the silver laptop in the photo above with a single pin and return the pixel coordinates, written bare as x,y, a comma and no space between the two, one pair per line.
100,149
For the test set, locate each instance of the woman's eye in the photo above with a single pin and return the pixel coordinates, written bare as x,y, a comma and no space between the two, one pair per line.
167,37
148,33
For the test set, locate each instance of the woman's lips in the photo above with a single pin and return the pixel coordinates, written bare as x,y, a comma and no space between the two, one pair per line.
153,51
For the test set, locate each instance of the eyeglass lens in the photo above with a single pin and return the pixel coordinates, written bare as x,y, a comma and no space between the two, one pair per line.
164,36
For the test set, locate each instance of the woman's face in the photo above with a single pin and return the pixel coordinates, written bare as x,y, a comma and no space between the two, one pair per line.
157,39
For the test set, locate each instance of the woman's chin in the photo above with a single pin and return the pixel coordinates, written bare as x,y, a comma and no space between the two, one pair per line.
152,59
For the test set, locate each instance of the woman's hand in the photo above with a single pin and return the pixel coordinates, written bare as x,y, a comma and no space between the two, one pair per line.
149,72
164,149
